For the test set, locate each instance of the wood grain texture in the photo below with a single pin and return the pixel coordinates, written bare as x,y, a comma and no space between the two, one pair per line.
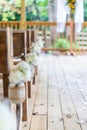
5,50
19,42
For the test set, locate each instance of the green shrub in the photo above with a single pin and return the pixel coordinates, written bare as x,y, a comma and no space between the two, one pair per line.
64,44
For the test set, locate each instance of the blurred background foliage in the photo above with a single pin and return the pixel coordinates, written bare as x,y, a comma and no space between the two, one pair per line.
36,10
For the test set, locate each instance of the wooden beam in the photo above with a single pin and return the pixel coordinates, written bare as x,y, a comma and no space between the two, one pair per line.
5,84
19,116
25,104
23,15
71,36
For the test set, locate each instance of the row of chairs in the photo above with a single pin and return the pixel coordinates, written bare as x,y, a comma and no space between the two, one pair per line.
15,44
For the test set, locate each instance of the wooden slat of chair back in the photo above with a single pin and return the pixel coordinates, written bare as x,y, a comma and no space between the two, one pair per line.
19,42
5,50
34,35
28,33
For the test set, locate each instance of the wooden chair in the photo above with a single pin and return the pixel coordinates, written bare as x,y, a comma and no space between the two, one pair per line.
21,45
34,37
19,48
6,64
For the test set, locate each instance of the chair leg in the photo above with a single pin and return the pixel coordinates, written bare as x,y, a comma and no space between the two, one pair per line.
5,84
34,78
36,70
25,105
19,116
29,89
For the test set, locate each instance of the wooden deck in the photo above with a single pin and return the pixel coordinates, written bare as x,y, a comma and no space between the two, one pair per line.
59,99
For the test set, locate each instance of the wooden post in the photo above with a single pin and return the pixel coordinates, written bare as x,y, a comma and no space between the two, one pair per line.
19,116
5,84
29,89
6,62
23,15
25,104
34,78
71,36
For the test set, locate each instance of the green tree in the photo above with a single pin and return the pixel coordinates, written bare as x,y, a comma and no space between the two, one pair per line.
9,10
85,10
35,10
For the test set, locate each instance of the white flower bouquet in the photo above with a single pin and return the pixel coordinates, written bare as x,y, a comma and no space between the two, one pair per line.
32,59
32,70
36,48
20,73
7,119
40,42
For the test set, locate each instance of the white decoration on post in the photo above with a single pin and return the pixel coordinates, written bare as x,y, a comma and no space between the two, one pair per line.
7,119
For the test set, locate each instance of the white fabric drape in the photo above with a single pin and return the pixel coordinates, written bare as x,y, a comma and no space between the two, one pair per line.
79,15
63,10
61,15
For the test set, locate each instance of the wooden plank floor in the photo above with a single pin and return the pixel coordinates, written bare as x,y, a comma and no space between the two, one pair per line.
59,98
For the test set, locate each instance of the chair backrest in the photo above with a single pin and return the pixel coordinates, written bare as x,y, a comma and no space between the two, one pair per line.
6,50
34,35
19,42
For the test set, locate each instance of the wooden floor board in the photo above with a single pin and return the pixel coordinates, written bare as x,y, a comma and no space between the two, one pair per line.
68,108
77,95
34,88
41,98
55,121
38,122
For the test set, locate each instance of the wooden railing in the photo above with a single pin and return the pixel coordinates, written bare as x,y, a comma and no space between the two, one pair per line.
32,23
81,38
12,24
48,32
16,24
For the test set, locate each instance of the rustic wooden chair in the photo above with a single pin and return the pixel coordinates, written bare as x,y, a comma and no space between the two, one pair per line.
22,40
32,36
19,48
